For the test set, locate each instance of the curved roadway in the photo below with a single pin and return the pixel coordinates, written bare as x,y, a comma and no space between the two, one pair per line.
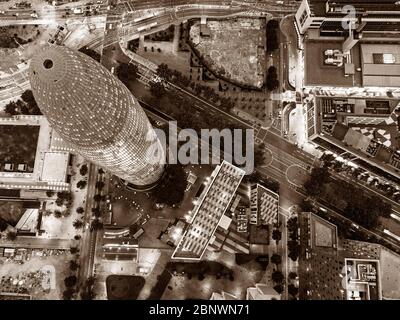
176,12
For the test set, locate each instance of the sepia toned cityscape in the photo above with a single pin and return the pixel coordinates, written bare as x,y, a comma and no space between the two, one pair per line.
200,150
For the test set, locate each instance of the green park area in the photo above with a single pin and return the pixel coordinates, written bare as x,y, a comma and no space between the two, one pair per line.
18,146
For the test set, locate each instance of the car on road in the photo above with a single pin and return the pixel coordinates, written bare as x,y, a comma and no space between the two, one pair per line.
138,233
77,10
355,225
170,243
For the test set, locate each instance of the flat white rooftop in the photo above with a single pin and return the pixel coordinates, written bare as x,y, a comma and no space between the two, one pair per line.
55,166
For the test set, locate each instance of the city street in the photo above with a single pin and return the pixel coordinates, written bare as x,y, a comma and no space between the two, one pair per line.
107,127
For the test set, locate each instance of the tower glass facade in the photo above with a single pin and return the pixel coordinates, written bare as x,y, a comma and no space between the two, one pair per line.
96,114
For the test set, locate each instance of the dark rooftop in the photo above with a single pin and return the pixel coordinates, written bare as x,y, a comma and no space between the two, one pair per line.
318,73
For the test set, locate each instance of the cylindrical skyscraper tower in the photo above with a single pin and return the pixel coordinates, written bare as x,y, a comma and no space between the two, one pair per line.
96,114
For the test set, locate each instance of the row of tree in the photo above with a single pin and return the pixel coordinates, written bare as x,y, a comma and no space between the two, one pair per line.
387,189
91,53
272,35
26,105
127,72
293,243
272,81
356,205
183,81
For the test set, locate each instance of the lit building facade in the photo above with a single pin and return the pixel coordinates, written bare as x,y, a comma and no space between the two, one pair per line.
95,113
209,212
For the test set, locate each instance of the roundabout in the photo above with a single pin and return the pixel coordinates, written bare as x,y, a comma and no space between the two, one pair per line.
296,175
268,158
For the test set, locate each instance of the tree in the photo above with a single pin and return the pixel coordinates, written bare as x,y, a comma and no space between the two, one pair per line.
57,214
3,225
96,224
157,89
29,99
277,277
73,265
97,197
292,275
68,294
81,184
100,185
74,250
77,224
272,35
279,288
96,212
67,212
272,69
49,193
171,189
11,108
276,235
88,294
293,290
163,71
90,281
83,170
70,281
91,53
328,158
272,81
306,205
319,177
294,253
11,235
127,72
276,259
80,210
64,197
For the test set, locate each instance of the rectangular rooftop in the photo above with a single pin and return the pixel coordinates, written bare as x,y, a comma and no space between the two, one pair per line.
208,213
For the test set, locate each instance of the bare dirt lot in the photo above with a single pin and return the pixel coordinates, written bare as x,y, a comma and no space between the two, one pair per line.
234,49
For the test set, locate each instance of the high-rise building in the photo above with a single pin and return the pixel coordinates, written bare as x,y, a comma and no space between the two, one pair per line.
96,114
332,268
